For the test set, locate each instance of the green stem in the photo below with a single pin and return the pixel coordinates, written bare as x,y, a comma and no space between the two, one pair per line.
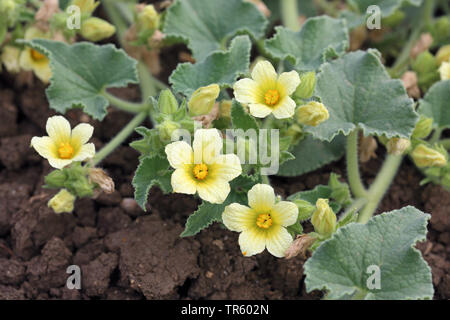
265,179
354,207
146,82
436,135
380,186
116,19
289,14
119,138
354,177
445,143
120,104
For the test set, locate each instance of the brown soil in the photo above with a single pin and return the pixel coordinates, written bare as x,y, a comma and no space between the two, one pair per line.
125,253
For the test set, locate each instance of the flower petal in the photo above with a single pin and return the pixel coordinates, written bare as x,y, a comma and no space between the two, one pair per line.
284,213
86,151
265,75
288,82
81,134
44,146
43,71
58,128
237,217
259,110
278,240
285,108
207,145
252,241
59,163
226,167
213,190
247,91
261,198
179,154
182,181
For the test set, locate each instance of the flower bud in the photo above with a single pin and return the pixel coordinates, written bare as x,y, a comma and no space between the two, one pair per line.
305,209
148,19
323,219
441,29
10,58
425,63
167,103
98,176
96,29
7,7
312,113
424,156
203,99
63,201
225,108
166,129
397,146
55,179
444,70
86,6
307,85
443,54
423,127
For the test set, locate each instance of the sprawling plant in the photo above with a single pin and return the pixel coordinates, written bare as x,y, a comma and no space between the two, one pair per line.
232,117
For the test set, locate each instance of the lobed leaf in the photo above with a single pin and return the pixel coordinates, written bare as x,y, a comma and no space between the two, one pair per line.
358,93
222,68
341,264
436,105
206,25
81,71
307,49
241,119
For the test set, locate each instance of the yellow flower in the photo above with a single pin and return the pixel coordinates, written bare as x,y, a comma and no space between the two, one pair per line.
312,114
10,58
96,29
202,168
203,99
31,59
443,54
444,70
424,156
62,202
263,224
397,146
63,145
267,92
86,6
323,218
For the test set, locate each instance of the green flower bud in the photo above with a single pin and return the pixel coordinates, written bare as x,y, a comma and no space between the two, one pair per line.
96,29
307,85
148,19
425,63
7,7
423,127
305,209
203,99
312,113
167,103
441,29
55,179
443,54
166,129
397,146
86,6
424,156
323,218
81,187
63,201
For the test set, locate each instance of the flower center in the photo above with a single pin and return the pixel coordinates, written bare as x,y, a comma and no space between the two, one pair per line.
200,171
264,220
65,150
271,97
37,56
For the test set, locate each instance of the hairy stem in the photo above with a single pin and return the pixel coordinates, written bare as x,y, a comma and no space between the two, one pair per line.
119,138
380,186
354,177
123,105
289,14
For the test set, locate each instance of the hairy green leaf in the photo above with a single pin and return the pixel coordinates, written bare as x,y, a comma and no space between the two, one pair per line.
81,71
435,104
307,49
241,119
150,172
358,93
344,264
206,25
311,154
221,68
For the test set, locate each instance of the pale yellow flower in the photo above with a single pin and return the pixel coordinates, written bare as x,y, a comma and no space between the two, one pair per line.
31,59
63,201
10,58
263,224
444,70
202,168
63,146
268,92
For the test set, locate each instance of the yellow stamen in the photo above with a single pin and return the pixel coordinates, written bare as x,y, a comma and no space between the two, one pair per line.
65,150
200,171
264,220
244,253
37,56
271,97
